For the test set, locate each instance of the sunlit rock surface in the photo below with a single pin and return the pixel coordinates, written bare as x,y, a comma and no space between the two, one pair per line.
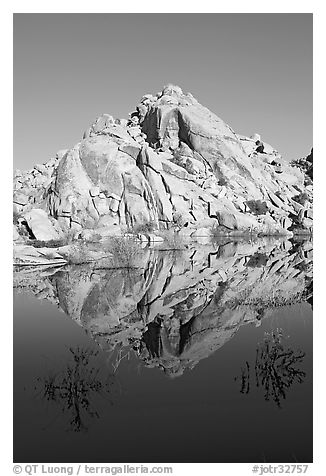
173,164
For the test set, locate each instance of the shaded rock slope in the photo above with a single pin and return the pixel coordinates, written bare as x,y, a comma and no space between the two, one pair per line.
180,307
173,164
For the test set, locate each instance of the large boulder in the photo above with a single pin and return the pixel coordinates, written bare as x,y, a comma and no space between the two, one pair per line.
41,226
98,184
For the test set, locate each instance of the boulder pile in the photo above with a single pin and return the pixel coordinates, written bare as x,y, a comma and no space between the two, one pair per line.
172,164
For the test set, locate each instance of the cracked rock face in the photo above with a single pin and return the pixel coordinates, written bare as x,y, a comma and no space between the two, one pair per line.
98,184
172,164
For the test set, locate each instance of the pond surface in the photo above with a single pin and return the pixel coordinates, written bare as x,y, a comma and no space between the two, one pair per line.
203,355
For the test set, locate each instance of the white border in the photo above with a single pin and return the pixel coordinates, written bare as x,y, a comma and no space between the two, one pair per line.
320,177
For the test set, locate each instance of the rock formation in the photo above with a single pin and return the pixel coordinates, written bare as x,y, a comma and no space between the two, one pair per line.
306,166
173,164
180,307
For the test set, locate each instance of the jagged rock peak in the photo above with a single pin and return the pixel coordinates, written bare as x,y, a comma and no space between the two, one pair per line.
171,90
171,95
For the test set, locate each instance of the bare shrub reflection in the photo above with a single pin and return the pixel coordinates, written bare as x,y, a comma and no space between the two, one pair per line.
275,370
74,389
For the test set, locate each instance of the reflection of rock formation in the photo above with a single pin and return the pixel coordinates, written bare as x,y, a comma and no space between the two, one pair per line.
180,307
276,368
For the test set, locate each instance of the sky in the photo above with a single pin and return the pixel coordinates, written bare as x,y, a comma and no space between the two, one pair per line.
254,70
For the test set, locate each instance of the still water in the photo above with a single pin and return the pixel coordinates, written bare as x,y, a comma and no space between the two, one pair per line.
202,355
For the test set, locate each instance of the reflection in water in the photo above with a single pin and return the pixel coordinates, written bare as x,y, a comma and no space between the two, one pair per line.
179,308
73,389
175,311
275,368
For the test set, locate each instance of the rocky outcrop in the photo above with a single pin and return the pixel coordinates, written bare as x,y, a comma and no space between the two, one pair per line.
25,255
173,164
180,307
30,187
306,166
